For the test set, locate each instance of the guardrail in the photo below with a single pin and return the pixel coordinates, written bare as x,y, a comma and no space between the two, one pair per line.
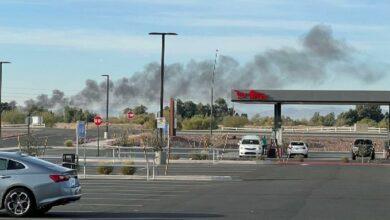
306,129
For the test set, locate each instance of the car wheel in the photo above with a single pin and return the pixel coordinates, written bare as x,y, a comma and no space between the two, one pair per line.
19,202
373,156
306,156
353,156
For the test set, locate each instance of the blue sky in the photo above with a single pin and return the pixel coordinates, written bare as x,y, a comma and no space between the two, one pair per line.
60,44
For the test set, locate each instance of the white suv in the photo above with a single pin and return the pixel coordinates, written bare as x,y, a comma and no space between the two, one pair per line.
250,145
297,148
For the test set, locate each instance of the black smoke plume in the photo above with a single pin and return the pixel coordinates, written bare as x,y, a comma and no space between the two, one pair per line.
319,56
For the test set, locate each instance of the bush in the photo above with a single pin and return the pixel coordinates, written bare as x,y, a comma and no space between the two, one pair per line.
299,158
68,143
49,119
199,156
174,157
14,117
105,169
235,121
129,169
345,159
369,122
197,123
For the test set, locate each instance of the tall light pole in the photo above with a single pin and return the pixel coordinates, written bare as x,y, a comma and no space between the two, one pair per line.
1,106
162,73
212,94
107,101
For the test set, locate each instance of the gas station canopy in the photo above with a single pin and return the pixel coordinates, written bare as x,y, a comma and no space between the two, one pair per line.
327,97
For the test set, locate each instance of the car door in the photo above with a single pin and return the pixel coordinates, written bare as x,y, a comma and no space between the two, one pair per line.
3,176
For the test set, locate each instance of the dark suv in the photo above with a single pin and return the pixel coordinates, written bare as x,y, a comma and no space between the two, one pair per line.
363,148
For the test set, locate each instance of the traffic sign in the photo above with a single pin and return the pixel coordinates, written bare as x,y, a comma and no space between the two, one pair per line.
161,123
98,120
130,115
80,129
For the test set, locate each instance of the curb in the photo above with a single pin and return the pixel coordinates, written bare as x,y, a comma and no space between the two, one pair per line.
167,178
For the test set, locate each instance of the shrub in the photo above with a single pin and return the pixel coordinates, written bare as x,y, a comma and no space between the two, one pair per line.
129,169
299,158
197,123
174,157
368,122
68,143
199,156
234,121
105,169
14,117
345,159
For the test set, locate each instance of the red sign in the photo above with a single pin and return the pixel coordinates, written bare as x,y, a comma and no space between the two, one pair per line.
98,120
130,115
252,95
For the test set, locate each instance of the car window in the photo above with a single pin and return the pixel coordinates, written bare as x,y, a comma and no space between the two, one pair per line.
248,141
297,143
3,164
14,165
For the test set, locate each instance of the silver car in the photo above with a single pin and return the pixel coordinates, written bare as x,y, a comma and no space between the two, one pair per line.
29,185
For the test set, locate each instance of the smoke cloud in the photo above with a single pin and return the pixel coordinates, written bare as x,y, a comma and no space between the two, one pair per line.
319,56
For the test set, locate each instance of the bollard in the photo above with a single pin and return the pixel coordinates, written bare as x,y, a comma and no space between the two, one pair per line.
213,155
154,165
147,171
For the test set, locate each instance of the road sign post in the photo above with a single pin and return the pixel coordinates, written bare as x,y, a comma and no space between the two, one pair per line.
80,133
98,121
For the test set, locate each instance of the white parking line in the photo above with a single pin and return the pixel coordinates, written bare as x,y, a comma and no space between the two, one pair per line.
120,199
132,190
136,194
105,204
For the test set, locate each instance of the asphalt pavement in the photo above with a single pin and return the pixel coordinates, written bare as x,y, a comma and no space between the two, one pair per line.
259,192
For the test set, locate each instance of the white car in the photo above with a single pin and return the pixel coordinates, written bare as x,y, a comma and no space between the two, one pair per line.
250,145
297,148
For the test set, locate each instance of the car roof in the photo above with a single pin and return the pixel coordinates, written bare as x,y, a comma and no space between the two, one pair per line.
33,161
251,137
12,155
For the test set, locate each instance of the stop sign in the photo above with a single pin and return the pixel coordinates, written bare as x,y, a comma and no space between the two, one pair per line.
98,120
130,115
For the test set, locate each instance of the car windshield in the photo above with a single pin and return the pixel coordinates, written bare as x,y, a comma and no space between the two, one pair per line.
249,141
297,143
361,141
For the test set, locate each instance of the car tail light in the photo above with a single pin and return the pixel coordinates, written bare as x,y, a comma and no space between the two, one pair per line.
59,178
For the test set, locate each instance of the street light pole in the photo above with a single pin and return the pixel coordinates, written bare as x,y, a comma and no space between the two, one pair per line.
162,74
1,106
107,101
212,94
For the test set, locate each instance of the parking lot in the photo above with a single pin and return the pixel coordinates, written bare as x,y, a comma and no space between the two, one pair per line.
257,192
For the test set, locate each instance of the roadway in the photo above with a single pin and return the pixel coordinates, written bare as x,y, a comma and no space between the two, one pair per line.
259,192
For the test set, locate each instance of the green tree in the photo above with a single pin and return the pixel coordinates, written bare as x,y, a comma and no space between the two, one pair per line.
373,112
189,109
329,120
348,118
139,110
317,119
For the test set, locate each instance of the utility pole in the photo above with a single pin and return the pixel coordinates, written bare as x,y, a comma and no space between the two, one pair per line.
162,74
107,101
212,95
1,106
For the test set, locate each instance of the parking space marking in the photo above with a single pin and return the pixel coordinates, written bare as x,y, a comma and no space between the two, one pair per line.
105,204
120,199
134,190
136,194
